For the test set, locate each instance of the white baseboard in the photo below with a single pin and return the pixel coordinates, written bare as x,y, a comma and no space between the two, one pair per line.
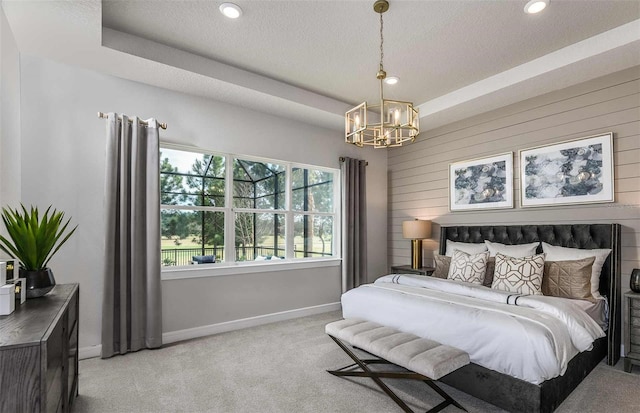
189,333
203,331
89,352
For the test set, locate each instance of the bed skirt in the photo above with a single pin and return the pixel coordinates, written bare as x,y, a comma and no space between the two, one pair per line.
517,395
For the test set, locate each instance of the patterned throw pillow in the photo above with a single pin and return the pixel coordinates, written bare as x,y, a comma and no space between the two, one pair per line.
468,268
442,266
519,275
568,279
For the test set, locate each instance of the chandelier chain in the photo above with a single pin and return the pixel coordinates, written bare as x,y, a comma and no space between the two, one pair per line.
387,124
381,42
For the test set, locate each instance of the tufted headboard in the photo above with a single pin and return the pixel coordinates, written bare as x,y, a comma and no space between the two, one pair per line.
585,236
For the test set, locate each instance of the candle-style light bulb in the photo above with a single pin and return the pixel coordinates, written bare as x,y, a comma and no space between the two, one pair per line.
357,123
397,116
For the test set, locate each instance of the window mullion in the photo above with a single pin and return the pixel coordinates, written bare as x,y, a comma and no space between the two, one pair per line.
260,211
229,220
336,238
290,253
192,208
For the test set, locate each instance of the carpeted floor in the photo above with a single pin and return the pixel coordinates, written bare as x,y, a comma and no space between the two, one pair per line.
281,367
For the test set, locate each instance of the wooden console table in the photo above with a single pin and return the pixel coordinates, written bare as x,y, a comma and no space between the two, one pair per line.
39,353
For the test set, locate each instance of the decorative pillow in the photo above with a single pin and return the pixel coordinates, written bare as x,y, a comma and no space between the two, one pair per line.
555,253
468,268
517,251
488,276
203,259
467,247
519,275
568,279
442,266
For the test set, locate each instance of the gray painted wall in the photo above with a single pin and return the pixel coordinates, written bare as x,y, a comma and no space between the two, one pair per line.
9,116
418,174
63,162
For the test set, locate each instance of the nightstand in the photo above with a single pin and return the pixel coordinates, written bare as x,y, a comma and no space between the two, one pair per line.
406,269
632,332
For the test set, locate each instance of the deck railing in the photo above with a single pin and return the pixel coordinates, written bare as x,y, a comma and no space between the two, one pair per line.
184,256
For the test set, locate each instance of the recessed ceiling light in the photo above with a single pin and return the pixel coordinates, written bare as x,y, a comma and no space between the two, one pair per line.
391,80
535,6
232,11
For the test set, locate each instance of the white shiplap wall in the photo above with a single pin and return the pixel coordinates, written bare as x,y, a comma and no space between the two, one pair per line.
418,173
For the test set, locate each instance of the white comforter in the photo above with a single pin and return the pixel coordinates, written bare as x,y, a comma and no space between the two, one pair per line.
533,340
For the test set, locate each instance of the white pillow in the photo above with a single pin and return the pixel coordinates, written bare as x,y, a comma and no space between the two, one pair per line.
555,253
516,251
464,247
470,268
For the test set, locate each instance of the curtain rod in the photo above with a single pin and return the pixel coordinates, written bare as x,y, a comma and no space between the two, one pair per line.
342,159
104,116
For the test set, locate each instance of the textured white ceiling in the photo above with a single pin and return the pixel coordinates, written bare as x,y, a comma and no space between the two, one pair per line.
331,47
309,60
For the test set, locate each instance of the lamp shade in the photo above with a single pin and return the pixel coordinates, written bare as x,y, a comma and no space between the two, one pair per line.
416,229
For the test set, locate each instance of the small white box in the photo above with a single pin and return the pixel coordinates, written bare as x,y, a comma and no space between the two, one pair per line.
7,299
3,273
20,287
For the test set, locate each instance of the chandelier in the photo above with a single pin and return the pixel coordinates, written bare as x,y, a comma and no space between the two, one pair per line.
386,124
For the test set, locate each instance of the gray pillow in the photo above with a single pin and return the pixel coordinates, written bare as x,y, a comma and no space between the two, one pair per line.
488,276
442,266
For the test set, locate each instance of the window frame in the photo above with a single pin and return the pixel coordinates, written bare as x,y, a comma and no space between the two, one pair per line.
290,261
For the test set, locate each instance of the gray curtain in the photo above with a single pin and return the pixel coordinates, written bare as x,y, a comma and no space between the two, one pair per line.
132,306
354,223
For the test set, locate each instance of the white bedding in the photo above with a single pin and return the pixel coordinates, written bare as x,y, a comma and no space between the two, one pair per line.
598,310
533,340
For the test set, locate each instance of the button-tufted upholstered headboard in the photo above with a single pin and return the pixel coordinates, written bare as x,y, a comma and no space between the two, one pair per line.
585,236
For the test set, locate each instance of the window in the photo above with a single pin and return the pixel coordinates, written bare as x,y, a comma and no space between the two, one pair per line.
312,202
192,197
218,208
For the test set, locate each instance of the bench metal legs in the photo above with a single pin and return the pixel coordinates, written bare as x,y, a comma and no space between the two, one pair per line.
349,371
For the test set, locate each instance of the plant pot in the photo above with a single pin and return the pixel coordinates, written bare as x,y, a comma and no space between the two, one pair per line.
39,282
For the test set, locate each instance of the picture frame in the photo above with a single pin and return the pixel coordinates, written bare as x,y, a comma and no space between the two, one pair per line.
577,171
483,183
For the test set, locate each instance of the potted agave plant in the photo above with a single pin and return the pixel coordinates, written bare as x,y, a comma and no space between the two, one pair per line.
34,240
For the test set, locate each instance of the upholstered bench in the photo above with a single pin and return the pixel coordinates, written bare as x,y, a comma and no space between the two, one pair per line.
426,360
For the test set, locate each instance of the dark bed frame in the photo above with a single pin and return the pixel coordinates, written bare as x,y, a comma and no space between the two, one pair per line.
518,395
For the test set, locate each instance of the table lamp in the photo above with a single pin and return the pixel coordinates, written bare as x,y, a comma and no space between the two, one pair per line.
416,231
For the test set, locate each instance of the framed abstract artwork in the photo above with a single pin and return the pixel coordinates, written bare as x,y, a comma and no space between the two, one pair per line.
573,172
481,183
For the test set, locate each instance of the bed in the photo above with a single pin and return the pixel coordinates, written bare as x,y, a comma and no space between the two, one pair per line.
535,391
